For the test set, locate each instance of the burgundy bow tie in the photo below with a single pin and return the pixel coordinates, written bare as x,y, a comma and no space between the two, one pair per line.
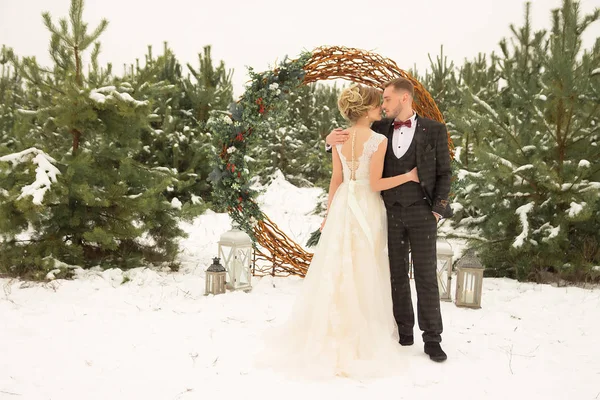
400,124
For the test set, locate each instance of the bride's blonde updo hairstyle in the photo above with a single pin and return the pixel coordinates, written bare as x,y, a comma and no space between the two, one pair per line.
356,100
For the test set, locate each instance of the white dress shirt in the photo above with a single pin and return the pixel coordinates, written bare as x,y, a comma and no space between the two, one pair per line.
403,137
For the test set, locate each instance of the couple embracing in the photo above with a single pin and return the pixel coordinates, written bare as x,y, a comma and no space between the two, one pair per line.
389,188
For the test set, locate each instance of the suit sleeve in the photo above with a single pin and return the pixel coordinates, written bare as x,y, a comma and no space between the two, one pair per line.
443,174
380,126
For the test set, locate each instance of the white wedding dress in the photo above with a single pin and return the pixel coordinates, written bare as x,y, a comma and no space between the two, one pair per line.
342,321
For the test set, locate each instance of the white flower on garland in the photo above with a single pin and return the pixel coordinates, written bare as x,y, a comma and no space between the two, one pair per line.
275,86
231,150
219,116
227,119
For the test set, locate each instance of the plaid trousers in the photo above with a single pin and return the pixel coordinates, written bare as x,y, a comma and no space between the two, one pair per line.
414,226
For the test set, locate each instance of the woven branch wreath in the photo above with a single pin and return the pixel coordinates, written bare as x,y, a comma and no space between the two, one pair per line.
264,94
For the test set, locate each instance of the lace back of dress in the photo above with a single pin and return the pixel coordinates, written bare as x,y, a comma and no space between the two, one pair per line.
357,168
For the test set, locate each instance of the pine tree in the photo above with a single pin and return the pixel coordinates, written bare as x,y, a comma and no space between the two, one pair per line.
177,137
536,181
211,89
11,95
451,89
325,117
294,144
475,79
441,82
278,148
91,203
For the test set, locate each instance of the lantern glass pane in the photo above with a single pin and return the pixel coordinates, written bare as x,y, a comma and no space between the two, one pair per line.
209,285
242,268
469,288
442,274
237,263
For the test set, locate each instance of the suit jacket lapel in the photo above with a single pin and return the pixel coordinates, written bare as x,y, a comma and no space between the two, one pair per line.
390,130
390,136
420,136
420,142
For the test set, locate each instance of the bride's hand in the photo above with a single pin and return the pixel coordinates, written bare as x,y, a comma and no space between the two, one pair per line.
413,175
337,136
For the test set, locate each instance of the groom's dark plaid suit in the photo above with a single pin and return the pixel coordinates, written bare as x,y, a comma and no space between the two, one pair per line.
411,223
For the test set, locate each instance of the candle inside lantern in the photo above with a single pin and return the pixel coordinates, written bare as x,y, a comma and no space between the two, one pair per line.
469,296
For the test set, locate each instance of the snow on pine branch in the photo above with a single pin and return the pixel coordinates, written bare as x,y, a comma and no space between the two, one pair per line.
589,186
97,97
27,112
463,173
575,208
101,95
522,213
472,221
540,114
584,186
524,168
485,105
457,154
45,173
584,164
551,230
502,161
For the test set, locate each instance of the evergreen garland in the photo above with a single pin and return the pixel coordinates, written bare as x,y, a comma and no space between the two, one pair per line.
233,133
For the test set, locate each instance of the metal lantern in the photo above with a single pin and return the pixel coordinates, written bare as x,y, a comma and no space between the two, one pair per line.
444,269
235,248
469,281
215,278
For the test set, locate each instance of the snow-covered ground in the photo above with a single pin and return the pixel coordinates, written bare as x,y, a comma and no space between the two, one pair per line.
147,334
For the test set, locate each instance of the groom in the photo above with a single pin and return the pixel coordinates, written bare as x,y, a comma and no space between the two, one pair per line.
413,210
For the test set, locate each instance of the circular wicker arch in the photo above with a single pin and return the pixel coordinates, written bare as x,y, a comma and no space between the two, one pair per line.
284,256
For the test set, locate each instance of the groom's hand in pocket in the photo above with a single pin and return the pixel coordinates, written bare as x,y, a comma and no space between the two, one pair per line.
337,136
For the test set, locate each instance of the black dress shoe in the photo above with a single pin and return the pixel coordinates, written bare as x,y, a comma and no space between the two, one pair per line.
435,352
407,340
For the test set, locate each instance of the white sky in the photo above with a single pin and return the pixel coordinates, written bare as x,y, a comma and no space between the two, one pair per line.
257,33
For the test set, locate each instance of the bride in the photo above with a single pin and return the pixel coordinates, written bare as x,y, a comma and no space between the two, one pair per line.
342,322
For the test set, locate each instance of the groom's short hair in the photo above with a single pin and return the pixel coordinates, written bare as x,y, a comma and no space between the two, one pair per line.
401,84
